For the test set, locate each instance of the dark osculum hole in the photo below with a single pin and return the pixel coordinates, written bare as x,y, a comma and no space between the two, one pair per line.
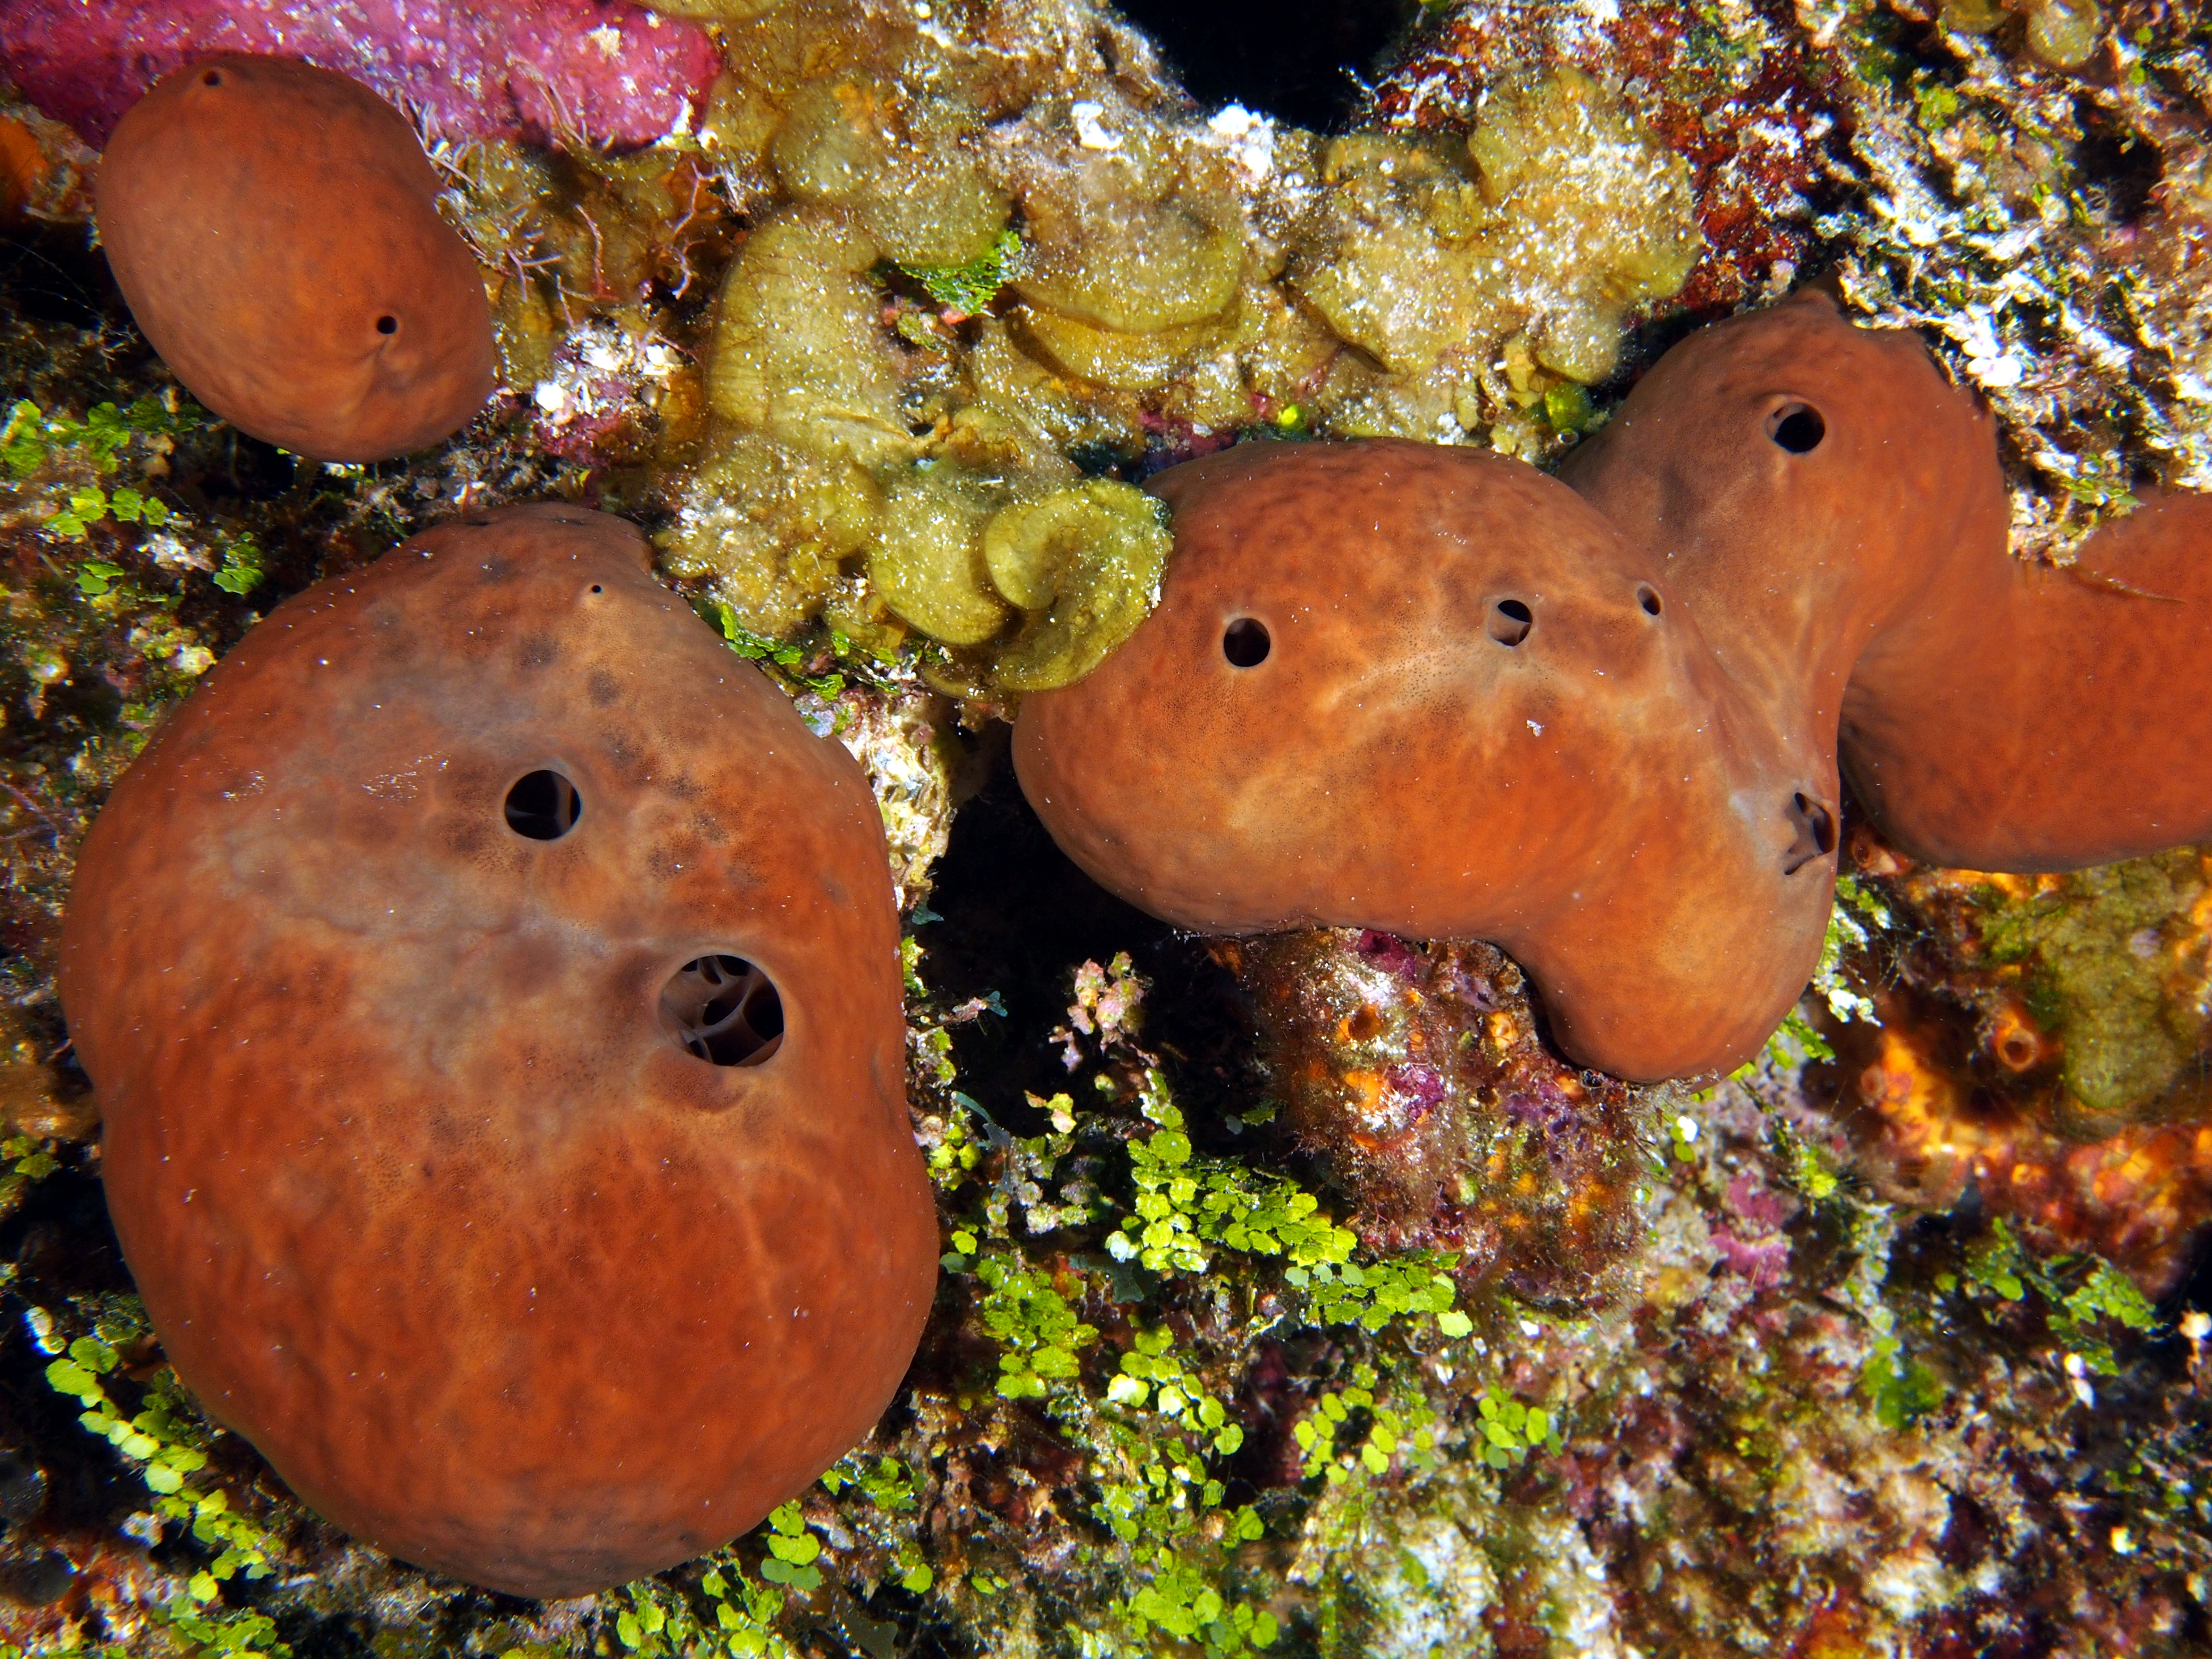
723,1010
1812,826
1511,621
1246,643
1797,428
212,78
543,805
387,324
1648,597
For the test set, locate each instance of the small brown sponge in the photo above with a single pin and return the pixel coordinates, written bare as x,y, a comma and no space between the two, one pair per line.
274,227
493,990
1438,693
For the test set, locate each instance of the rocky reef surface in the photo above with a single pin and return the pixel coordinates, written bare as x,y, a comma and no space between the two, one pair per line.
1298,1297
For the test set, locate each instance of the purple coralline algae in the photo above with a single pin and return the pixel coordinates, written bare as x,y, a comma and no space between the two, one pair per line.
566,71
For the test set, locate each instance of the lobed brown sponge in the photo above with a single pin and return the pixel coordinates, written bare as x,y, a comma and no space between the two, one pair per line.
274,228
1436,692
1835,514
492,987
1432,691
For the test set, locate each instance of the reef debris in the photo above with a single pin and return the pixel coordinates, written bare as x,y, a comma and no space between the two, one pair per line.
2038,1042
2055,154
1414,1074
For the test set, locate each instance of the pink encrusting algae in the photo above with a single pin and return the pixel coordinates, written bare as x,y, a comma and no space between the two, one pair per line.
567,71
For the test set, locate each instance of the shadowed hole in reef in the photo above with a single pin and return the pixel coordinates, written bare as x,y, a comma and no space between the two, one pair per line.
65,1258
50,276
1293,59
1017,918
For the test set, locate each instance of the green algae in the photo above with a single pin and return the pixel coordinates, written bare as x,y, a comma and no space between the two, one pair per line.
2099,953
2110,963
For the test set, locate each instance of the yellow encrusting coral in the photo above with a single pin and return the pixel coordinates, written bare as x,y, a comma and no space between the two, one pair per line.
1454,268
991,251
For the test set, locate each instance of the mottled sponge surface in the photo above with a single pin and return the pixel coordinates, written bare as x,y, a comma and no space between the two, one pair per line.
596,71
274,228
452,1173
1603,722
1833,509
1430,690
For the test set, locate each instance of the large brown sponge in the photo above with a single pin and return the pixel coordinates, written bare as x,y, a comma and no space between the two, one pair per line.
1438,693
492,987
1431,690
275,230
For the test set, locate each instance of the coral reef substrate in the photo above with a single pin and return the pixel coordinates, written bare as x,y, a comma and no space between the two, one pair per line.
1795,1366
554,71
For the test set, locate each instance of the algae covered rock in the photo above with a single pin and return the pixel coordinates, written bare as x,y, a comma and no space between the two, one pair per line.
972,274
848,141
1603,214
1560,215
770,528
797,352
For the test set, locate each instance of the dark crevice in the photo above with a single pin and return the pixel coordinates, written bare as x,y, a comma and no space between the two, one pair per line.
1301,61
1017,919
